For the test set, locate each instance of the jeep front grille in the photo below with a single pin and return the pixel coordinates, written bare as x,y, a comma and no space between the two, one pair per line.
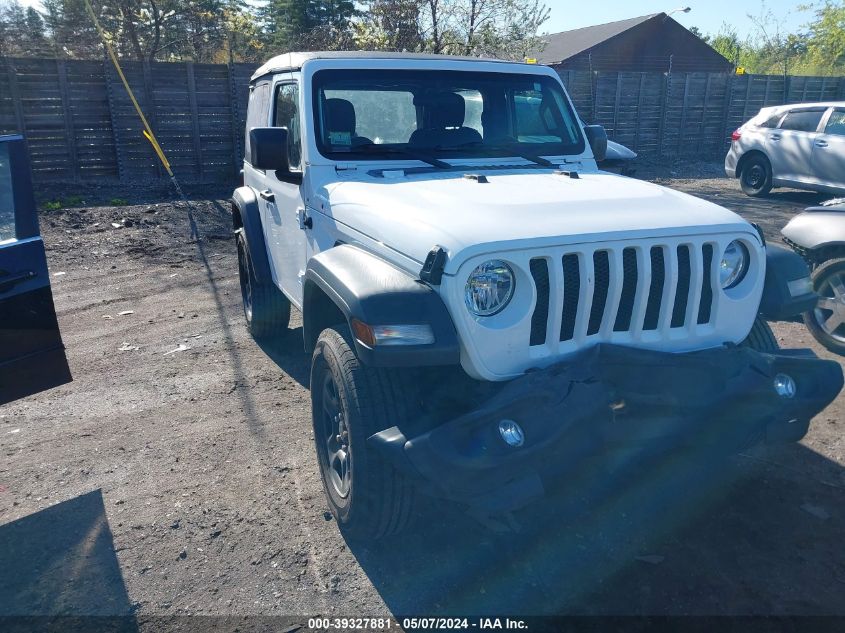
608,292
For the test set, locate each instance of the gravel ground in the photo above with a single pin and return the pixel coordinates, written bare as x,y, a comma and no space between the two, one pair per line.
184,482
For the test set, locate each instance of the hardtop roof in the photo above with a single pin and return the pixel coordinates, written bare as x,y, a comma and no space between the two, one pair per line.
811,104
294,61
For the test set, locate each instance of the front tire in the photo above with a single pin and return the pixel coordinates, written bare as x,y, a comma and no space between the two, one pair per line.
266,308
755,178
349,402
827,321
761,338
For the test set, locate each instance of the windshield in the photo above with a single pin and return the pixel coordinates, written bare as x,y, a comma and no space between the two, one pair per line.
402,113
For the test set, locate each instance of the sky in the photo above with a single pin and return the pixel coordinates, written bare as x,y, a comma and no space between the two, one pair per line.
707,15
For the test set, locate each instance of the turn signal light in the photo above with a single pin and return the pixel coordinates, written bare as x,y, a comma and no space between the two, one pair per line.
736,135
363,333
389,335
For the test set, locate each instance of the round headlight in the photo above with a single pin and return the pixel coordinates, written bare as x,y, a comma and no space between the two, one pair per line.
489,288
734,264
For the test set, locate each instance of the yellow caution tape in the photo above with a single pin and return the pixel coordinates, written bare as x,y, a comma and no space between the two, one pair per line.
148,131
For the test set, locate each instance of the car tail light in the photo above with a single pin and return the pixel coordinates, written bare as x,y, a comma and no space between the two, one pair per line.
737,133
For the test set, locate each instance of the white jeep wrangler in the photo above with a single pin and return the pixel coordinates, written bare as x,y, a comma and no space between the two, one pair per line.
483,305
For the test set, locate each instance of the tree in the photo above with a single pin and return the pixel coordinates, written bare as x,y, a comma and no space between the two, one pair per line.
72,33
727,43
825,43
389,25
510,30
22,32
306,24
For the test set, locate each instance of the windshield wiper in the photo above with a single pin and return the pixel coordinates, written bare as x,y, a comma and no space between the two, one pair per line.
374,148
539,160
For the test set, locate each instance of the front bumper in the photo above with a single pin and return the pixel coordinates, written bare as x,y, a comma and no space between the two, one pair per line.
609,397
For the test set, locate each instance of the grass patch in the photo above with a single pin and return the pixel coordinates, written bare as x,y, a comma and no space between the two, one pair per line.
118,202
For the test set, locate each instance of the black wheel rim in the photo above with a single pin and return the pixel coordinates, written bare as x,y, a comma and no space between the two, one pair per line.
335,440
246,281
755,176
830,310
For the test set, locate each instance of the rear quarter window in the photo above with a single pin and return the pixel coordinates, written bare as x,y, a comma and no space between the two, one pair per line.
802,120
770,121
257,111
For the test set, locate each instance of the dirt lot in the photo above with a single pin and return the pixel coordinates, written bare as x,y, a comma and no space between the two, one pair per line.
164,481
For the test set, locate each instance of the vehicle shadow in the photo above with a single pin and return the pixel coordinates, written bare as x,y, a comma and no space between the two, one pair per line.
750,536
59,570
287,353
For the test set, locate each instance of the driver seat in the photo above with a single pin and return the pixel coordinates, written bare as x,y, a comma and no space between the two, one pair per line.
443,117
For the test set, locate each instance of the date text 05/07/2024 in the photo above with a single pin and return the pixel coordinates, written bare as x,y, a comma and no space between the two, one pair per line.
416,624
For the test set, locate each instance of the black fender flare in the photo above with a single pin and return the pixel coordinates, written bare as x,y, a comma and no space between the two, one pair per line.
780,301
246,202
367,288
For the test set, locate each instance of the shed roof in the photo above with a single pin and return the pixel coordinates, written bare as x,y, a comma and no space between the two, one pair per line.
561,46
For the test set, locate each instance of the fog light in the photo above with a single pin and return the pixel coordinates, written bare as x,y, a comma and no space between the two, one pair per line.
785,386
512,433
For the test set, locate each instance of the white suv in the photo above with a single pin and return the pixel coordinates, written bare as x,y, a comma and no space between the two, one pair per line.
482,304
801,146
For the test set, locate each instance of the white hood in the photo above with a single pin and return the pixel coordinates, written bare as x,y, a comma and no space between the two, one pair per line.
516,209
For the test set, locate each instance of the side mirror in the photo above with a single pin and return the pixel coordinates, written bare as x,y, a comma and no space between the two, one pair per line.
597,137
268,148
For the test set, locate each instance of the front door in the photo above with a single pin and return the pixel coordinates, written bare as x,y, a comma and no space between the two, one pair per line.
829,151
790,147
32,356
284,208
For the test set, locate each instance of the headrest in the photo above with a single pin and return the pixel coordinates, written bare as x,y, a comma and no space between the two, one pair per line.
340,116
443,109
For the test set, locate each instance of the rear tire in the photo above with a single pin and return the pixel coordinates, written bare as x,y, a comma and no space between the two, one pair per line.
827,321
349,402
761,338
755,177
266,308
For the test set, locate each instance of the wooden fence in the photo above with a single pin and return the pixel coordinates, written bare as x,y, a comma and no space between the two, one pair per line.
686,115
81,126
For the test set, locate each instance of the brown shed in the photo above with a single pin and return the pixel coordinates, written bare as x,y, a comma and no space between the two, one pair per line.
650,43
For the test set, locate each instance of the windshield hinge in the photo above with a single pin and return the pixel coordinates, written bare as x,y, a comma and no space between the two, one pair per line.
434,265
345,167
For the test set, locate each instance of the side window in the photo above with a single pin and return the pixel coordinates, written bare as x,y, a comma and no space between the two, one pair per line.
256,113
802,120
286,114
7,201
836,123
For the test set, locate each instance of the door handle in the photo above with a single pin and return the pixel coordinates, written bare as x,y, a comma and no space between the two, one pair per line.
267,195
821,143
775,137
9,281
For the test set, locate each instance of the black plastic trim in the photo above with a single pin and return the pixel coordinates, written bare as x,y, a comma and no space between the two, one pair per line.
246,201
369,289
782,266
604,398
